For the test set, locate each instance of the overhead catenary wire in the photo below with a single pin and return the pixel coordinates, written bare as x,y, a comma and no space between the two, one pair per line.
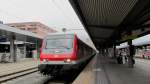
62,11
10,14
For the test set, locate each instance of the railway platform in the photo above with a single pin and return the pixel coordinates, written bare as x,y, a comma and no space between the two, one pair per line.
10,68
102,70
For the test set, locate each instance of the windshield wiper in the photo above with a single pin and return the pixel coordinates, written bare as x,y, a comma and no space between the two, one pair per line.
64,47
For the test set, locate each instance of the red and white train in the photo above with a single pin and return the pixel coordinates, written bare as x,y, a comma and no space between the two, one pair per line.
62,52
145,54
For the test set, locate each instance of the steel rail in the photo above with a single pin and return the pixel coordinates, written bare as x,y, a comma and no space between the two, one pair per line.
11,76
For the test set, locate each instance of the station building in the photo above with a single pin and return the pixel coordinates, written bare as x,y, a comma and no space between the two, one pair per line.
36,27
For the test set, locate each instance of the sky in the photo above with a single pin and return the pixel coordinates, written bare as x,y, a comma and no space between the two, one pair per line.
56,14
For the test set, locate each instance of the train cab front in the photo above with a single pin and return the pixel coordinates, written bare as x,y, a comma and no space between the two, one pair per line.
55,62
58,59
57,51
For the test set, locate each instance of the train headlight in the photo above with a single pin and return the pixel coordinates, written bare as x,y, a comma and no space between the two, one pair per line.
44,60
67,60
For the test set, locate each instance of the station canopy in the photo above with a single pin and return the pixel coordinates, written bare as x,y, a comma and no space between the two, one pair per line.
7,32
111,21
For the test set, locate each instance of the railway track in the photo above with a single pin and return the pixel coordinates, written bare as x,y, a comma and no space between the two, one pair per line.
14,75
56,83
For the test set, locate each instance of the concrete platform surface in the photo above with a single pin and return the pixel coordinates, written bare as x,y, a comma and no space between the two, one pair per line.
107,71
7,68
87,76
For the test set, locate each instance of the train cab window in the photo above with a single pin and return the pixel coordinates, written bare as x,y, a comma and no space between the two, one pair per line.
63,43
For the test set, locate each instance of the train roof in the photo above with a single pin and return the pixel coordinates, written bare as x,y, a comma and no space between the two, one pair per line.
60,33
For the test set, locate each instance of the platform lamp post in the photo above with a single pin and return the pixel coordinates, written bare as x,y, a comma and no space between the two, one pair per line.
64,30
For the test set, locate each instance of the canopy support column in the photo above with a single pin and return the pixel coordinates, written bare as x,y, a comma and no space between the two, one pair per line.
131,53
114,48
25,51
12,49
38,48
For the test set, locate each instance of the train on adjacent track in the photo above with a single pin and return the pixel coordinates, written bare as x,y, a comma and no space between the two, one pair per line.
145,54
63,51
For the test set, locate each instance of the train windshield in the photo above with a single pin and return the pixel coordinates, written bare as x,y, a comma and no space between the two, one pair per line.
61,43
